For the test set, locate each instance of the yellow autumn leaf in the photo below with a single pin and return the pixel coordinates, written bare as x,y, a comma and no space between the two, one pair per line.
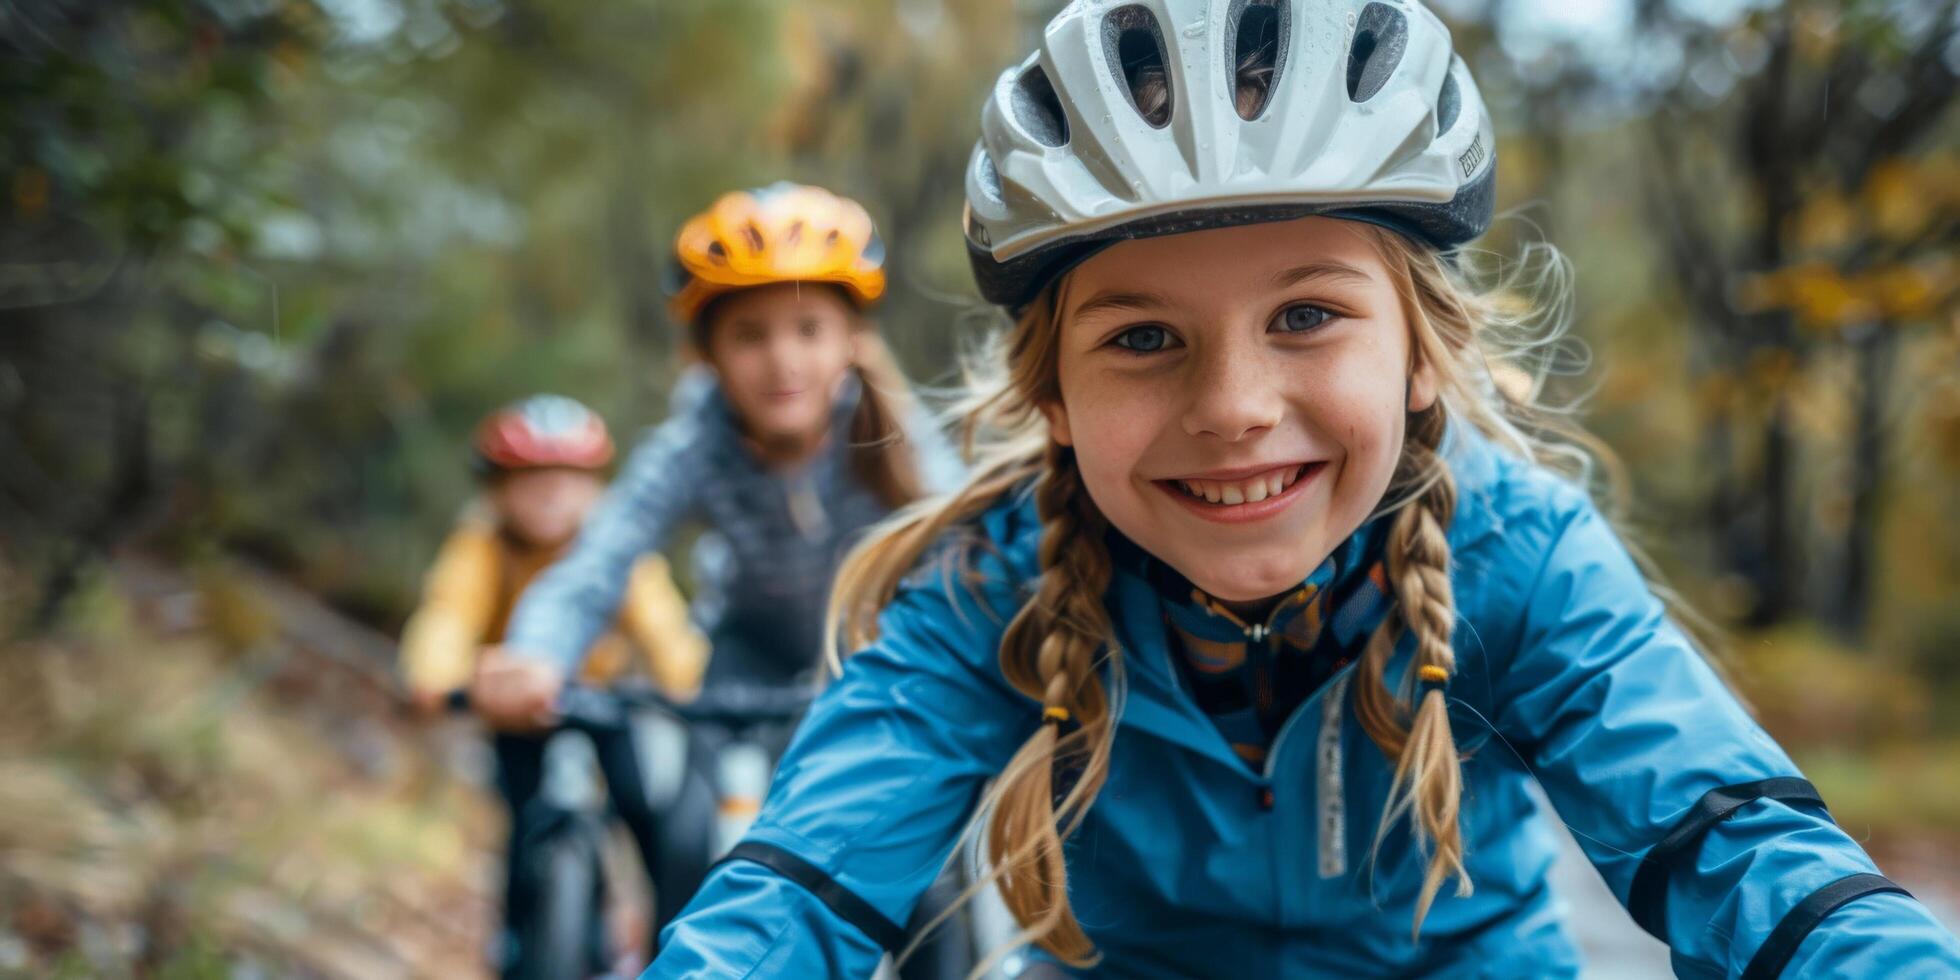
1902,292
1826,300
1940,174
1826,223
1942,426
1897,197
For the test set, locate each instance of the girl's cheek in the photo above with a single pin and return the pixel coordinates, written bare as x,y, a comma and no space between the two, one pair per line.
1103,444
1114,422
840,360
1361,410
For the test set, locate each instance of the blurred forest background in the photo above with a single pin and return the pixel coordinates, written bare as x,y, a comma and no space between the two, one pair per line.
264,262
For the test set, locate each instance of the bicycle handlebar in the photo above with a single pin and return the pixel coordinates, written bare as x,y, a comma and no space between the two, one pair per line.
726,704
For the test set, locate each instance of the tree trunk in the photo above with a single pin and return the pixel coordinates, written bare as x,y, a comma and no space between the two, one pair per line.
1776,572
1874,346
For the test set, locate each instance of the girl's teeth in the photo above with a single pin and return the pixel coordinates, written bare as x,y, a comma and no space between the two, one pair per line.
1248,492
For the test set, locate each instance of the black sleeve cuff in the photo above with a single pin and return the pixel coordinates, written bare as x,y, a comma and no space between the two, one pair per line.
1775,953
839,899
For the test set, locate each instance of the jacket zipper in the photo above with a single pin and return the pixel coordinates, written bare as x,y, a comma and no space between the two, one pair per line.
1272,754
806,507
1258,633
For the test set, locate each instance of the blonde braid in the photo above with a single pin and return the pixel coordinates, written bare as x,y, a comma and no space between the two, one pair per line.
1050,653
1428,779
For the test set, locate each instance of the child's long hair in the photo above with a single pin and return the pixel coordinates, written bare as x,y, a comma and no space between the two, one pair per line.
881,457
1479,347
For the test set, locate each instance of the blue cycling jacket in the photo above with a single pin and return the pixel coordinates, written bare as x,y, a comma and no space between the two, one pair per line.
778,536
1191,864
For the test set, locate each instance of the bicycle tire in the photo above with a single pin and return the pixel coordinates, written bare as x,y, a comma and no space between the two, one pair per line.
565,939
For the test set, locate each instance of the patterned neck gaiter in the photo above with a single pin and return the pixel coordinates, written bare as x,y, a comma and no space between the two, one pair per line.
1250,676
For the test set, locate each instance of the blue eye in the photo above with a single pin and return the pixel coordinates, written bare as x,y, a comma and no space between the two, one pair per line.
1144,339
1301,318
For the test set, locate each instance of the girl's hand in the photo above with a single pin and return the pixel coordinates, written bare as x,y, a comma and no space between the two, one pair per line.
426,704
515,693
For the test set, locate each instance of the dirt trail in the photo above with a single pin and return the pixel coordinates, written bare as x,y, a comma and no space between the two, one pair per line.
211,776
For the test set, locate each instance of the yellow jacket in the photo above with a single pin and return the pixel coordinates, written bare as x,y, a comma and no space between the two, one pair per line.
469,592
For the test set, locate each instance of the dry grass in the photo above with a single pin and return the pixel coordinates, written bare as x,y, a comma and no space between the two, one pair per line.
173,803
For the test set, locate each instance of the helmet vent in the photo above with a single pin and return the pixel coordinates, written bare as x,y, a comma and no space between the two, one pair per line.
990,178
753,236
794,234
1038,109
1379,38
1448,103
717,252
1133,43
1258,53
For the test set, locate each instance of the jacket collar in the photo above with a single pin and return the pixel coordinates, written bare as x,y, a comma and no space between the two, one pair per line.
1202,616
1475,464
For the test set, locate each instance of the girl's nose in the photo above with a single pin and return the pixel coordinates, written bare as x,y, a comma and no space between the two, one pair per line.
784,354
1233,393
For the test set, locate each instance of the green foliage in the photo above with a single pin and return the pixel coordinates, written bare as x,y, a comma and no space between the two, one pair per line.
336,245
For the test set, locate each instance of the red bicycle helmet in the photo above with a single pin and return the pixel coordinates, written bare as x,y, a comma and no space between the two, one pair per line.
542,431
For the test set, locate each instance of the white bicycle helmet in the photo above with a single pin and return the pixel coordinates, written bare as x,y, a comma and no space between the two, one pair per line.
1368,114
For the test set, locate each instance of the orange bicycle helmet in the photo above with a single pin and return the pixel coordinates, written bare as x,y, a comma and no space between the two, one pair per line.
542,431
781,233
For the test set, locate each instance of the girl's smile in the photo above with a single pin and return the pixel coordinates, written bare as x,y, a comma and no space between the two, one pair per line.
1244,495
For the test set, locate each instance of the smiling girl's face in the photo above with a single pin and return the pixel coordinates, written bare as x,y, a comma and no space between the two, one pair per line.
1236,397
781,351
